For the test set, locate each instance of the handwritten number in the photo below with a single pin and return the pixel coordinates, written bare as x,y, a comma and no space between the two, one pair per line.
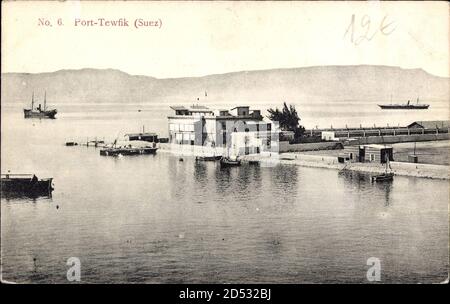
351,28
385,26
365,28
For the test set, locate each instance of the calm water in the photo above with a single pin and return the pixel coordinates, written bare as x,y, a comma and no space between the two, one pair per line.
154,219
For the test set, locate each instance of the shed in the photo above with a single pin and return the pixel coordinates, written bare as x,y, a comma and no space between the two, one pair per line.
328,135
368,153
430,124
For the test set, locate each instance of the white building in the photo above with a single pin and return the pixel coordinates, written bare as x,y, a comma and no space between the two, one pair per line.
240,129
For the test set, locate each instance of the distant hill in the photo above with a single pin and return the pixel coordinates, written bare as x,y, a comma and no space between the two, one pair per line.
299,85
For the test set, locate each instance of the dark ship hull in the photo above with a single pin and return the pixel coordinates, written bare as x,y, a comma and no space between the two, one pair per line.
25,185
208,158
404,107
28,113
127,151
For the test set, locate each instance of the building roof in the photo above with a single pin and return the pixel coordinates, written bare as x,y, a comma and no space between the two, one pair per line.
193,108
377,146
176,108
141,134
239,107
431,124
199,107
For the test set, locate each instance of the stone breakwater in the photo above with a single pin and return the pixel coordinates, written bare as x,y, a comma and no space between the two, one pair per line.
318,161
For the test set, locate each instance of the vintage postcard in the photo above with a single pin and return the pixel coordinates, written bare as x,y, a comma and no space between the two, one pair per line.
224,142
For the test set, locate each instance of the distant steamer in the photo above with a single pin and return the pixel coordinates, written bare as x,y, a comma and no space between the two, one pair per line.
406,106
39,112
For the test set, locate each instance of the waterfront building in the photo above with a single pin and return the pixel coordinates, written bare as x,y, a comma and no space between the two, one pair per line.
368,153
241,129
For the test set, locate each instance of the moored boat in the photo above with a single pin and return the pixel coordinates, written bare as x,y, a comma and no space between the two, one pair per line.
39,112
383,177
253,162
25,184
228,162
208,158
386,176
113,151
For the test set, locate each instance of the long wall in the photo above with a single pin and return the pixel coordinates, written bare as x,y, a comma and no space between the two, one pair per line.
398,139
287,147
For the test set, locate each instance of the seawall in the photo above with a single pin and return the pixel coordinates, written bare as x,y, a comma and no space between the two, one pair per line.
318,161
331,162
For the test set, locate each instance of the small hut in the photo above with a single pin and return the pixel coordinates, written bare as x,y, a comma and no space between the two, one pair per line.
368,153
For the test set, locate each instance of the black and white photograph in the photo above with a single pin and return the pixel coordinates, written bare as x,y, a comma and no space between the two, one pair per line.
225,142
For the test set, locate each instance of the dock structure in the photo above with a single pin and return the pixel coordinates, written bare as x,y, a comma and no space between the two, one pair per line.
88,143
94,143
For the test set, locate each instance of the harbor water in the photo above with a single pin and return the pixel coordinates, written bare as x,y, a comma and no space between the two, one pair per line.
154,219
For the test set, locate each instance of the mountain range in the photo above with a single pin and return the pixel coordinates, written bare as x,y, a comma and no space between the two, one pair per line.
298,85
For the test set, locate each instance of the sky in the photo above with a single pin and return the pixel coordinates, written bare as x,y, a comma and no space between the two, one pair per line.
203,38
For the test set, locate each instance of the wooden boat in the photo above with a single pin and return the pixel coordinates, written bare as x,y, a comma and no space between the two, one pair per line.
226,162
383,177
25,184
127,151
386,176
39,112
208,158
128,148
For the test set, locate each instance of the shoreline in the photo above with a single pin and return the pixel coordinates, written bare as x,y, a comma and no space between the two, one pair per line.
398,168
330,162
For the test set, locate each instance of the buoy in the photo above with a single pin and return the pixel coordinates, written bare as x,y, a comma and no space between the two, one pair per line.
57,206
181,159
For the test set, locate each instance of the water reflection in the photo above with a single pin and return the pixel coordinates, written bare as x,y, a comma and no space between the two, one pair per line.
200,173
355,179
386,188
284,181
361,182
238,181
10,196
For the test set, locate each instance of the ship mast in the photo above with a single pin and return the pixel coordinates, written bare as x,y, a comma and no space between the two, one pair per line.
45,100
32,101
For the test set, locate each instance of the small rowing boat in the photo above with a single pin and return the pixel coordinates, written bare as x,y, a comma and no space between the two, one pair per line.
226,162
386,176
